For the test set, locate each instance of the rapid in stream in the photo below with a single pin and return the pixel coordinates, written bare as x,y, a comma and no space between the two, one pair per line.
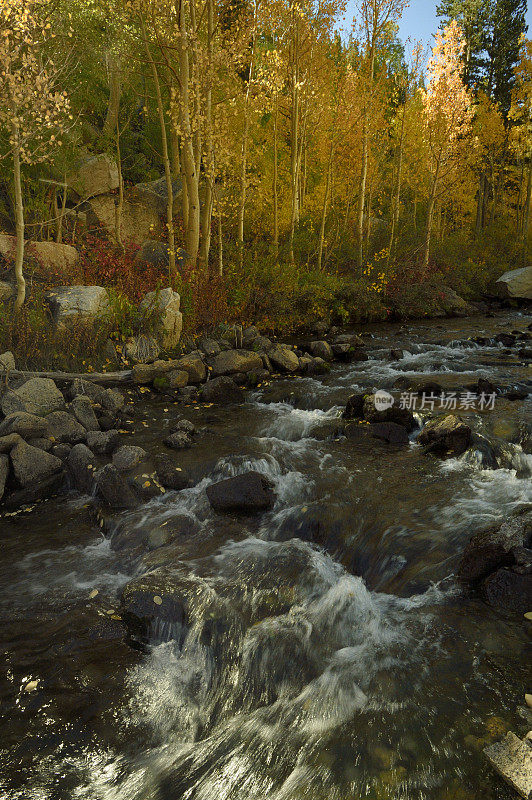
330,654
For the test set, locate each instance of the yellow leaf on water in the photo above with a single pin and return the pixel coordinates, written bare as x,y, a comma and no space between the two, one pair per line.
158,600
93,593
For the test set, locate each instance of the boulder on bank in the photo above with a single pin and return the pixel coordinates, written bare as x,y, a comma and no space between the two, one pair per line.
322,349
165,304
283,358
7,361
94,175
45,255
154,194
446,436
245,493
138,223
193,364
498,562
64,428
153,253
81,467
84,412
28,426
71,303
32,465
6,291
231,362
517,284
38,396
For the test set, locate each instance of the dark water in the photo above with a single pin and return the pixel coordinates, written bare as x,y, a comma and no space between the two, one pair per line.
330,654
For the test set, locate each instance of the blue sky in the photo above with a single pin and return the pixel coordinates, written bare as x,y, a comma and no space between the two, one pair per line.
420,22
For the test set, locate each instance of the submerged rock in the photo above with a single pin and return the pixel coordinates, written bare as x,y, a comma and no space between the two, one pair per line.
248,492
390,432
154,607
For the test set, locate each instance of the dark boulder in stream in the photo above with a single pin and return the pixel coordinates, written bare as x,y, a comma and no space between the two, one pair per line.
498,561
446,436
247,493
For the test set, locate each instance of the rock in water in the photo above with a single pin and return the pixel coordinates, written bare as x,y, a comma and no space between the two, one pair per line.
512,759
446,436
390,432
222,390
113,489
248,492
81,467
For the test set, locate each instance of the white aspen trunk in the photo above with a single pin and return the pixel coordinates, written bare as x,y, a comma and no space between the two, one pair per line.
430,215
19,222
324,207
166,159
397,192
275,180
206,214
294,131
192,230
244,152
526,213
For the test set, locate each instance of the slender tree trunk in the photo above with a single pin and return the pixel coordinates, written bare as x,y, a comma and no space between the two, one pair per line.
294,131
192,231
480,204
397,192
275,180
362,197
365,149
206,213
220,246
430,215
19,222
61,213
166,159
113,107
119,204
526,214
324,207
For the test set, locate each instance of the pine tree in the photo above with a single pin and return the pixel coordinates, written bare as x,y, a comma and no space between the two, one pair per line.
507,26
473,16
